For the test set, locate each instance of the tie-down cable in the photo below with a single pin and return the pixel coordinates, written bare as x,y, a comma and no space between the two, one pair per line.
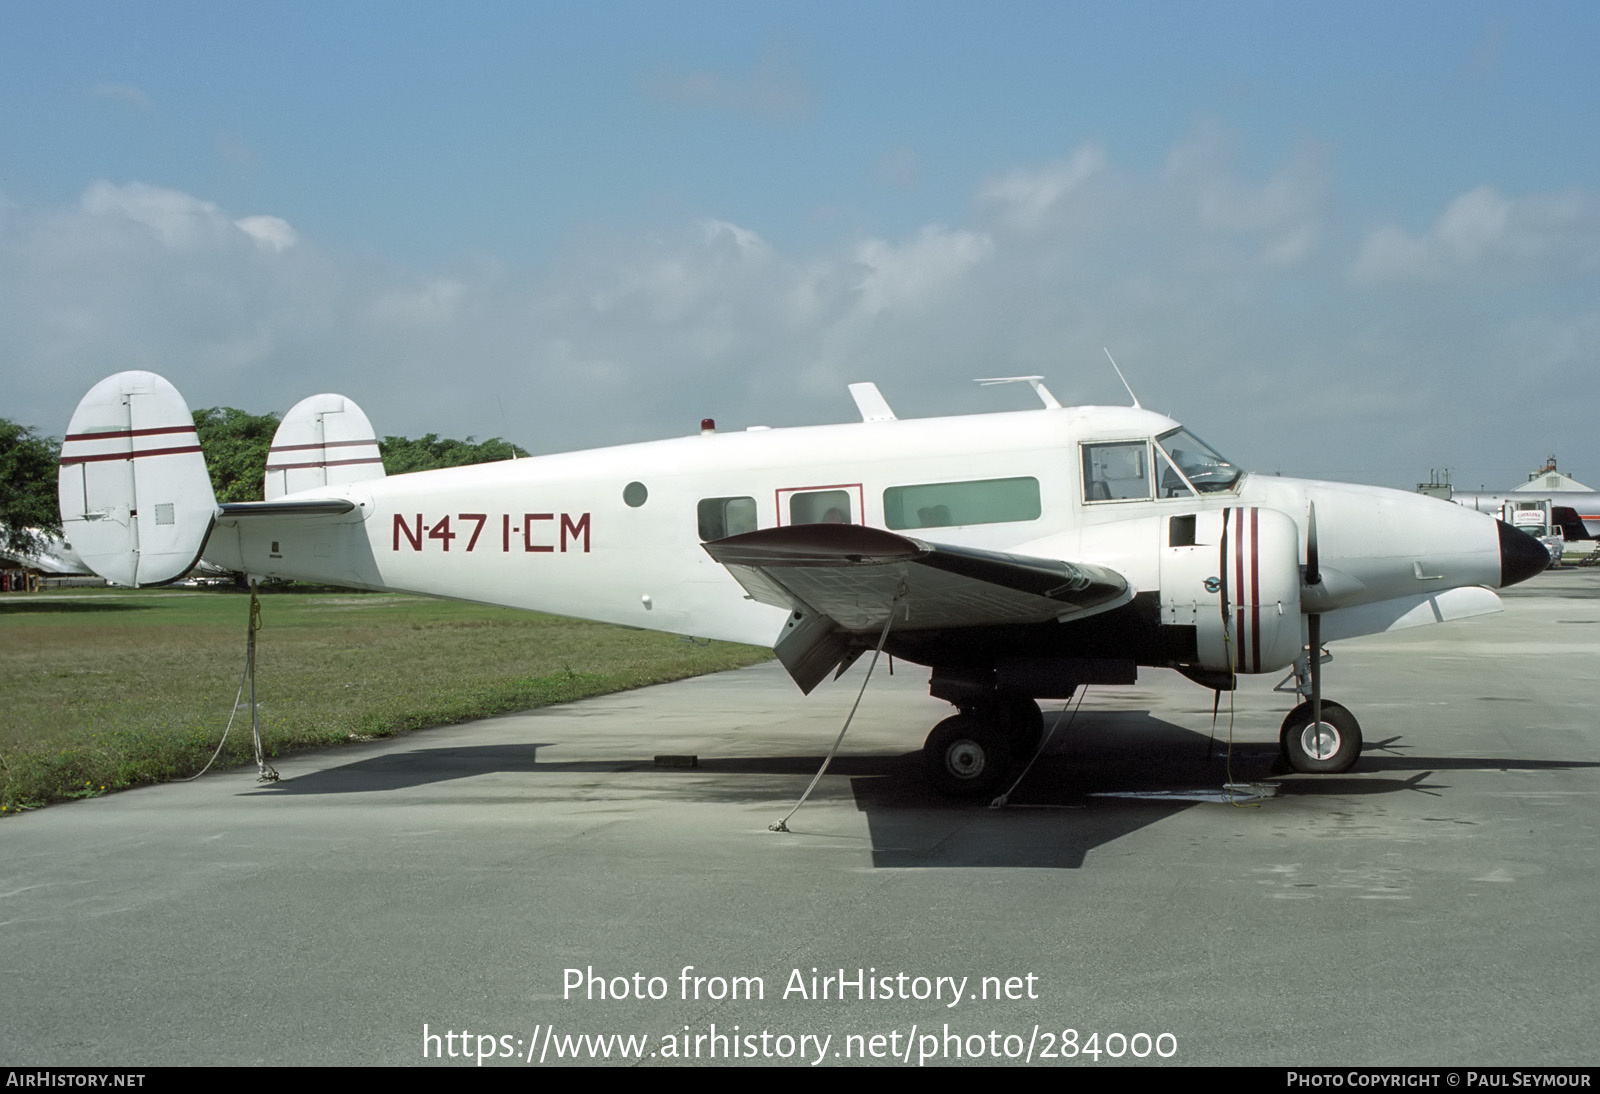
783,825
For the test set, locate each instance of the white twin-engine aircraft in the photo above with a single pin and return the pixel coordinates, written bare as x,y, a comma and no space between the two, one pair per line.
1018,555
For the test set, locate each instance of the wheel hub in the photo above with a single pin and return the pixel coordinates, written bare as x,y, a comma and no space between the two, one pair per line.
965,759
1319,740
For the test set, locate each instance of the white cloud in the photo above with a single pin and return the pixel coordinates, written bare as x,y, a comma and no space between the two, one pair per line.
178,220
1280,221
1483,233
181,221
749,244
270,233
916,274
436,303
1216,289
1026,198
1197,210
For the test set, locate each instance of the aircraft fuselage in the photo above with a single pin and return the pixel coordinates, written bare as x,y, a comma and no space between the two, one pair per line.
615,534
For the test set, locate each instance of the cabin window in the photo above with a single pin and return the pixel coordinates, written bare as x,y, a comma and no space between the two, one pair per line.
820,507
835,503
947,504
723,517
1116,471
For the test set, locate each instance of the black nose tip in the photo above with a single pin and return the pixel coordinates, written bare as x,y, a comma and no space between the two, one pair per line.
1521,556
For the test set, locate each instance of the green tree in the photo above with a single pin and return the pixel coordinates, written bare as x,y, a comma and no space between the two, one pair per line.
235,443
28,468
402,455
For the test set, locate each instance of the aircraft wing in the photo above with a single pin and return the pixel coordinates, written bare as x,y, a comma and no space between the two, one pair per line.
841,582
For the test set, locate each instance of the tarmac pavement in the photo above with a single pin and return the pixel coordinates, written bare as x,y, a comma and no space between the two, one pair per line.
493,888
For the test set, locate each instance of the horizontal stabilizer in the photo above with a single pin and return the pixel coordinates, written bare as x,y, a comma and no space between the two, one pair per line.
324,440
234,511
136,501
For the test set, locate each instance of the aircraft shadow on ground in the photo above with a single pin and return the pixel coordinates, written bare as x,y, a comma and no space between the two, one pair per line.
1114,773
67,607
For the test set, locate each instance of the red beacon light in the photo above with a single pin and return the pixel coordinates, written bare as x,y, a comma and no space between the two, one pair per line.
708,425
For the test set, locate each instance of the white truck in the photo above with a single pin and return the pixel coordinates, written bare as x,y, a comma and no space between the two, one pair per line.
1534,517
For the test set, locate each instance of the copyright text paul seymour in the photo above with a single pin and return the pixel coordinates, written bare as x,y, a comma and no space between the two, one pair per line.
1483,1079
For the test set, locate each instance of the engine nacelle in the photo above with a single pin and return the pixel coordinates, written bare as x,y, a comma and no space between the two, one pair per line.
1234,576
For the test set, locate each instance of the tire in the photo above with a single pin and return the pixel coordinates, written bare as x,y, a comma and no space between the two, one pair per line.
1024,723
1303,712
966,757
1335,749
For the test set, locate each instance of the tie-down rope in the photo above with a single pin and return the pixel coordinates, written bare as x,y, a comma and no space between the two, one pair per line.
783,825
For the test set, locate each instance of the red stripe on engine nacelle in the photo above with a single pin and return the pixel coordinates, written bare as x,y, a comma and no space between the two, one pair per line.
1255,584
1241,594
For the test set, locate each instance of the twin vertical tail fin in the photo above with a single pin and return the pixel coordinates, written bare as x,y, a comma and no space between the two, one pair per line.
136,501
324,440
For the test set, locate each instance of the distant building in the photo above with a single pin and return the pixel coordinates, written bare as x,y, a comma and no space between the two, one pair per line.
1547,480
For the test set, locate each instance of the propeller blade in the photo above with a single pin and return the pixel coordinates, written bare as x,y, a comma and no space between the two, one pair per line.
1313,564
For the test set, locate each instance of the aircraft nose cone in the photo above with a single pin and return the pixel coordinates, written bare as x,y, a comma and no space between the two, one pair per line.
1521,556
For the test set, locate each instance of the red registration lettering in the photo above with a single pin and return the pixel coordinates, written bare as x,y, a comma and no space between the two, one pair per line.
412,537
568,525
573,533
527,531
442,532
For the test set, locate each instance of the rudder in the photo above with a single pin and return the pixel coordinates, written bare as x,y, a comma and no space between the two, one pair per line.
324,440
136,500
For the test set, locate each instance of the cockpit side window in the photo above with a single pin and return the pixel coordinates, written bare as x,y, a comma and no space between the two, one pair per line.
1201,465
1169,482
1116,471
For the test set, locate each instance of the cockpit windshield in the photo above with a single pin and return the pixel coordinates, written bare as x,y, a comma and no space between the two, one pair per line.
1208,472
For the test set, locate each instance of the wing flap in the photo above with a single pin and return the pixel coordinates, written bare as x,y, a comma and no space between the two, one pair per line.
842,582
855,576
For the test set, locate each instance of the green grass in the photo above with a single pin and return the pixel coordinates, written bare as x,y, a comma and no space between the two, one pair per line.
103,690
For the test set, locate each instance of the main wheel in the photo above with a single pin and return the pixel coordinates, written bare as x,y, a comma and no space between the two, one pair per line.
966,757
1325,748
1024,723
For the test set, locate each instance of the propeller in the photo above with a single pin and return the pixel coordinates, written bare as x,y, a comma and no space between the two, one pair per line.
1314,619
1313,565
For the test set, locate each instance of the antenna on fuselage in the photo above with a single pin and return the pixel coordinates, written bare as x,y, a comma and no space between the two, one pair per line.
1123,378
870,401
1039,389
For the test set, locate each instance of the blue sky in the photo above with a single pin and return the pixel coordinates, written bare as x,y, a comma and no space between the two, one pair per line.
1354,240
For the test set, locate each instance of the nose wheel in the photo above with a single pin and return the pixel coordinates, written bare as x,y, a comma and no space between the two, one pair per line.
1324,747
